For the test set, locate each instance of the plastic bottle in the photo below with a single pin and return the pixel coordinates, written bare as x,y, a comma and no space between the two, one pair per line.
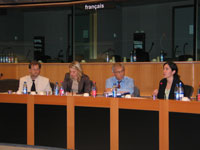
181,91
176,93
56,89
198,93
94,89
134,56
131,56
1,58
161,56
6,58
114,90
61,91
107,57
11,57
25,91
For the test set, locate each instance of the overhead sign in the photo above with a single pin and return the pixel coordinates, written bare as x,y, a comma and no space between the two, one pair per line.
94,6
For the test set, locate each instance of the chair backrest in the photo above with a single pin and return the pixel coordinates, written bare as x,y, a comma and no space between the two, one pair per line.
188,91
136,92
52,86
9,84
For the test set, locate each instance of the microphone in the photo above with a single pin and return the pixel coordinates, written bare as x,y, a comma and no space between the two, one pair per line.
184,48
152,44
175,49
27,55
60,53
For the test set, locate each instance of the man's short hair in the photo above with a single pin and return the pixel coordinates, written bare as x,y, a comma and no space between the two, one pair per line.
117,65
34,63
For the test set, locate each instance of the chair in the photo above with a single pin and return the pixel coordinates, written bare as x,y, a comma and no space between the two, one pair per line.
188,90
9,84
52,86
142,55
184,57
136,92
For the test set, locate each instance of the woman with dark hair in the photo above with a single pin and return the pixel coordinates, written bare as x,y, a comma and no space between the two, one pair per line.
168,83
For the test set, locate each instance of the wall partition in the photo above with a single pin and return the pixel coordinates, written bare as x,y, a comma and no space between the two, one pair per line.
96,30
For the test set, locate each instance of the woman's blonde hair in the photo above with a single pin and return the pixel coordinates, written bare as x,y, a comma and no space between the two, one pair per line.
76,65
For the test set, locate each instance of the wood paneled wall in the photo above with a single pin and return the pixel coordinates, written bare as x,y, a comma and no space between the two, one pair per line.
145,74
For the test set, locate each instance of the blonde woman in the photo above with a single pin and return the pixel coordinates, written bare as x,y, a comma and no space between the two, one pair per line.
76,81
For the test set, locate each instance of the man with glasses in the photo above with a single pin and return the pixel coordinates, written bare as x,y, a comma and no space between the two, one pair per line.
35,82
124,84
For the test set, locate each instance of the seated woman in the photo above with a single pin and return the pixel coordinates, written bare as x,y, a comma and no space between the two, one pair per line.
76,81
168,83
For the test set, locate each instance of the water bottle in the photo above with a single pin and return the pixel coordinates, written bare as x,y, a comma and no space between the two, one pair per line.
114,90
11,57
1,58
131,57
8,55
107,57
56,89
134,56
61,91
176,93
181,91
6,58
94,89
161,56
198,94
25,91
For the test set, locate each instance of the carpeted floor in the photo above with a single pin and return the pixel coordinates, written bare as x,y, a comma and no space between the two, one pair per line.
5,146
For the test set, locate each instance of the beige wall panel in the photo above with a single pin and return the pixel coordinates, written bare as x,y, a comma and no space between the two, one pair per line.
99,73
8,71
196,77
22,70
186,73
55,72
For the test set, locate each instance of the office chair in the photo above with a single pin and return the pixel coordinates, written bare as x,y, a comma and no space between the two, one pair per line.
136,92
184,57
188,90
52,86
9,84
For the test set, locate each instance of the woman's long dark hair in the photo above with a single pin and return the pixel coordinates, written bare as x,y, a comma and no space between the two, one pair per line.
173,66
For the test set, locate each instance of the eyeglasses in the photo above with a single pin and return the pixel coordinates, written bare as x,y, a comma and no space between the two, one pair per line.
119,71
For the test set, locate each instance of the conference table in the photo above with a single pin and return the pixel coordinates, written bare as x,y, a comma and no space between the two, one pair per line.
163,107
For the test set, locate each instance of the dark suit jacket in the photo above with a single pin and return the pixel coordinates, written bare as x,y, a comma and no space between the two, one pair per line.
162,86
84,86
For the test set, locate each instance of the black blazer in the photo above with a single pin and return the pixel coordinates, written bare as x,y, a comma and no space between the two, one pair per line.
84,86
163,84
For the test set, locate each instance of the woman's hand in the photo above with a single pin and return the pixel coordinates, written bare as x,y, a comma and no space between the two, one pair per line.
155,92
108,90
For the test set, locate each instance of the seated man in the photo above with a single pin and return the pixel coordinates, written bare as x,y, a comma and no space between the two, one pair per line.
34,81
124,84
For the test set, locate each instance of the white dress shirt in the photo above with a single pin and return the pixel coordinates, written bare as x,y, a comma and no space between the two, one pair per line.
42,84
